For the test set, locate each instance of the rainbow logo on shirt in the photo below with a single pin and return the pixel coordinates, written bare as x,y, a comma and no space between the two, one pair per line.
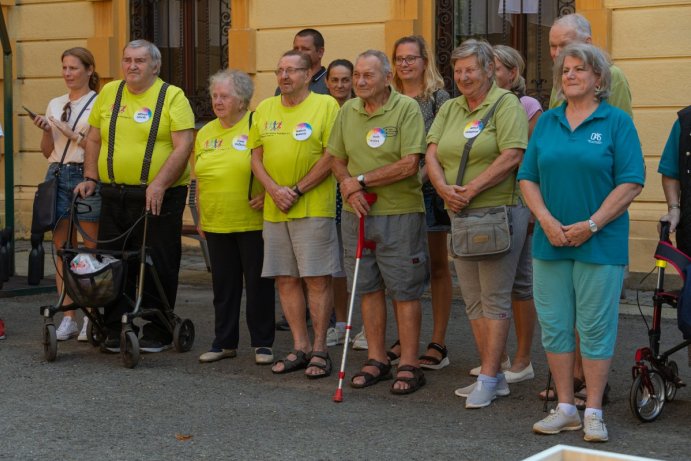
213,143
472,129
302,131
240,142
376,137
142,115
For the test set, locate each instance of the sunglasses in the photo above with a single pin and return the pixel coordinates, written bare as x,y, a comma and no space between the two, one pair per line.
66,112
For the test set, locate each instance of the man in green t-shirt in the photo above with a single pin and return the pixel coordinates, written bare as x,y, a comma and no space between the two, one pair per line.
376,143
288,141
129,186
574,28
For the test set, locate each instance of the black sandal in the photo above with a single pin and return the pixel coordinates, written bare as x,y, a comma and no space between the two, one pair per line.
370,379
416,382
437,364
326,366
393,357
289,366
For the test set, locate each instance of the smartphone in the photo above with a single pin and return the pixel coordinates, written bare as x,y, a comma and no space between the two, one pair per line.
32,115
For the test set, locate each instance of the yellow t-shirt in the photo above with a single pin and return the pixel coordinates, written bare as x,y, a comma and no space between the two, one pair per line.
294,139
222,167
132,130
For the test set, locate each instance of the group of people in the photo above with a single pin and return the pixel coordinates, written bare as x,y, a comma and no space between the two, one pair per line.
282,191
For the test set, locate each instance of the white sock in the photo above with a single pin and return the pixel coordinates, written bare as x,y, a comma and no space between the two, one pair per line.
489,382
593,411
568,409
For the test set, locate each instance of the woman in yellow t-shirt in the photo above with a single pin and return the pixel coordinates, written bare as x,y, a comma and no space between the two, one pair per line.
230,212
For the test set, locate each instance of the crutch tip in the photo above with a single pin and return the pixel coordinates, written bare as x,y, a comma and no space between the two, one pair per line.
338,396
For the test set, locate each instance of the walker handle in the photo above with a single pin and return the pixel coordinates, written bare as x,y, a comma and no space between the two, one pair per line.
664,231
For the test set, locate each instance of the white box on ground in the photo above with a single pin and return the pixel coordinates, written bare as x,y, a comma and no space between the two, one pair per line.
568,453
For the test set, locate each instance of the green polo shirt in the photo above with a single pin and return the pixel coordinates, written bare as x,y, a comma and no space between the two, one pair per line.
507,129
369,142
619,96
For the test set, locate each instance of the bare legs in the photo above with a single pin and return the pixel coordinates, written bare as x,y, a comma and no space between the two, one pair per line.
440,288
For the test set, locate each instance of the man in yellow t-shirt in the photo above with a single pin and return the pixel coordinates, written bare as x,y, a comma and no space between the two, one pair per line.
376,142
130,186
288,139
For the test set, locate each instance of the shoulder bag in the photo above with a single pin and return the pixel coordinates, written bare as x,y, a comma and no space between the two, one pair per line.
46,197
482,233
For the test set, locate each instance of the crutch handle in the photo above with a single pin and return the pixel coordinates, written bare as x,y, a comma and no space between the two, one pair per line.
370,197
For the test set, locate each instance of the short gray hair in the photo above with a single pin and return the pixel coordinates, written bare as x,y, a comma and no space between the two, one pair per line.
153,50
591,56
381,56
242,86
481,49
577,23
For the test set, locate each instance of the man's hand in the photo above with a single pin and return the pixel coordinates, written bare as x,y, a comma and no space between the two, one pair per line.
284,197
359,204
154,198
85,189
349,186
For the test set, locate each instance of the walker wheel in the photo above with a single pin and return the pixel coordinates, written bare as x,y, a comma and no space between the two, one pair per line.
183,335
50,342
129,349
647,397
94,335
670,387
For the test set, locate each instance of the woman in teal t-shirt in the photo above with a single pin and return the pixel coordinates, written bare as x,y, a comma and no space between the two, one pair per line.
582,169
230,211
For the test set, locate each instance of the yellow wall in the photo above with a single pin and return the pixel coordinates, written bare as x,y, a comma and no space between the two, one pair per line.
651,42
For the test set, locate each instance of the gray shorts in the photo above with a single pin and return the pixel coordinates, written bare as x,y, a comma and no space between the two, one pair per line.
487,285
400,262
304,247
341,268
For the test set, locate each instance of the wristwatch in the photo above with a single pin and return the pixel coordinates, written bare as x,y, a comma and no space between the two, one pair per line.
361,180
592,225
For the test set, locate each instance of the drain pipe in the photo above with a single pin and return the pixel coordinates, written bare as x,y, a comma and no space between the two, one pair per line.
9,126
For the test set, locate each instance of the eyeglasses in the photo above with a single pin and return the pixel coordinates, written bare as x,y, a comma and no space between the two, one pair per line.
410,60
288,70
66,112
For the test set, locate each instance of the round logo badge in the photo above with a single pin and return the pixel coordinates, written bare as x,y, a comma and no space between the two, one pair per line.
472,129
240,142
302,131
376,137
142,115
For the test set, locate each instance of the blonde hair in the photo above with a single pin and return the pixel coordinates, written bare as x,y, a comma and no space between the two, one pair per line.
431,78
512,59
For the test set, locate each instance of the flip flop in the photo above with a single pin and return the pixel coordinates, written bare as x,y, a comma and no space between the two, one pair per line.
326,366
370,379
289,366
416,382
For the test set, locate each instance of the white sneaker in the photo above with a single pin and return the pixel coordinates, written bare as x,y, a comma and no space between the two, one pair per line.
504,367
82,334
518,376
502,389
556,422
334,336
595,429
68,329
360,341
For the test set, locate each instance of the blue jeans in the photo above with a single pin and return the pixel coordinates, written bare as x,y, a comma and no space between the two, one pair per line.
72,174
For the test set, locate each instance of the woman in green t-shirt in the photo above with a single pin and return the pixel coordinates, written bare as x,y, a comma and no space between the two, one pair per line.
230,212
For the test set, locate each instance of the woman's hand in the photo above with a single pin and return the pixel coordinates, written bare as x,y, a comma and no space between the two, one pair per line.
65,129
672,217
454,197
257,203
42,122
555,232
577,233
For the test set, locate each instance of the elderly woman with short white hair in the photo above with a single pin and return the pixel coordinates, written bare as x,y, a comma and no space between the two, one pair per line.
582,169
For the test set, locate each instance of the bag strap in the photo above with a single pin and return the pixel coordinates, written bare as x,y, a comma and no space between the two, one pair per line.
469,143
74,126
249,191
144,177
151,141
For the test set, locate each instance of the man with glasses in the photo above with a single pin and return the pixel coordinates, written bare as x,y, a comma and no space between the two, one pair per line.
129,186
376,143
288,139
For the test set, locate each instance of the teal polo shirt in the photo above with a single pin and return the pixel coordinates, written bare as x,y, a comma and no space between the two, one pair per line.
669,162
576,171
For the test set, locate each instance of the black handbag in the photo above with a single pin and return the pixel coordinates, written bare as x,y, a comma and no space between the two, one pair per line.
46,198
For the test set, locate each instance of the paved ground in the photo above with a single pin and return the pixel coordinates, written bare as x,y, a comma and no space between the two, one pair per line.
86,405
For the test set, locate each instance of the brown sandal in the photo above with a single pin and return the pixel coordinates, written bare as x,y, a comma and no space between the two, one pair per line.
370,379
416,382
